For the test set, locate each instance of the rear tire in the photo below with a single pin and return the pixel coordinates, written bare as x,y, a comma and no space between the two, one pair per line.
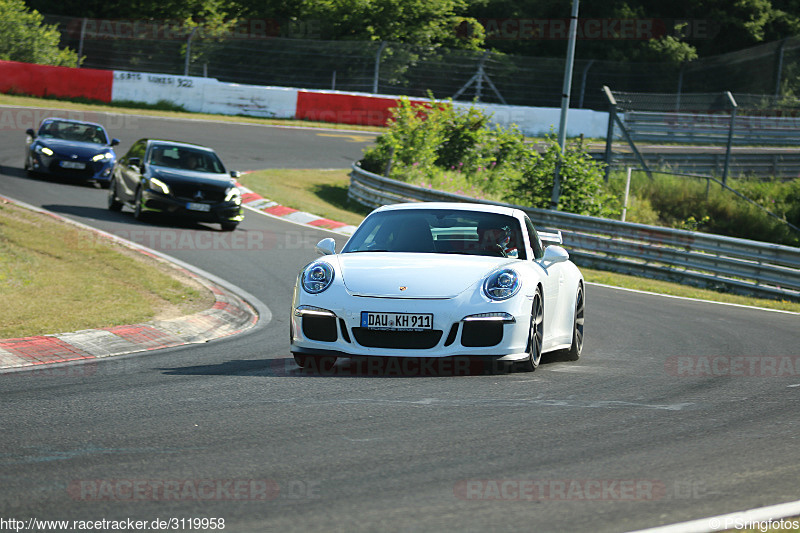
573,353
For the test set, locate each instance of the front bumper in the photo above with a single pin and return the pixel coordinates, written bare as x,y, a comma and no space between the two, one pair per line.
156,202
54,165
462,326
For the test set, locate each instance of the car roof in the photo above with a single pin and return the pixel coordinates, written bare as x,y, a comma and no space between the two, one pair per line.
179,144
458,206
73,121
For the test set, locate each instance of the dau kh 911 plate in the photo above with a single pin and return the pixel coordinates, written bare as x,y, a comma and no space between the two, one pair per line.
397,321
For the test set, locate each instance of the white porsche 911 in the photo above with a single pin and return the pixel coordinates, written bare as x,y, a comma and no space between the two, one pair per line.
435,280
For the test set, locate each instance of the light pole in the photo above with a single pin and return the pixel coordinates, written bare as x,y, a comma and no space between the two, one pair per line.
562,127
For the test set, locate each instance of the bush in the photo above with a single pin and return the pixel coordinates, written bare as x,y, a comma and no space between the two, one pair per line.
27,39
443,147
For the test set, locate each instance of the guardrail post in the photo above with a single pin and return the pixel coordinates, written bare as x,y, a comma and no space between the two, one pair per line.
612,113
734,107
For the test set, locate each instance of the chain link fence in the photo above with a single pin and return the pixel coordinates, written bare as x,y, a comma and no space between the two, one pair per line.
770,72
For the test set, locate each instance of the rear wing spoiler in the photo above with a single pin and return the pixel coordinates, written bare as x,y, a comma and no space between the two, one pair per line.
551,236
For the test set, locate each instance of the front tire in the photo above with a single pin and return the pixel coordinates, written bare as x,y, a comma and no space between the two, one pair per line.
113,202
228,226
535,334
138,209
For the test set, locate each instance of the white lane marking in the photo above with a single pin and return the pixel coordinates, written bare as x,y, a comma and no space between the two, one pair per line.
692,299
730,520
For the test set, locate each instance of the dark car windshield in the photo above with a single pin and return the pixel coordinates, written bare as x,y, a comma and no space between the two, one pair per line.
73,131
184,158
447,231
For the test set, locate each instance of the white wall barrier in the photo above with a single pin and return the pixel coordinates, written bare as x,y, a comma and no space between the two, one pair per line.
209,95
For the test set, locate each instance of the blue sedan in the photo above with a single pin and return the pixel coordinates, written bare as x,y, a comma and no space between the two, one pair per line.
71,149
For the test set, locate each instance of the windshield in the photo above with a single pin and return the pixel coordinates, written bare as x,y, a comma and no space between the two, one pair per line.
442,231
183,158
73,131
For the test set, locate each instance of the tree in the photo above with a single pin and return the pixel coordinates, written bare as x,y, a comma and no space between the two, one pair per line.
27,39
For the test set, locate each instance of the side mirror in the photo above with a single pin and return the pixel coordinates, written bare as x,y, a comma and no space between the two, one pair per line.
555,254
31,133
326,246
135,162
114,142
235,174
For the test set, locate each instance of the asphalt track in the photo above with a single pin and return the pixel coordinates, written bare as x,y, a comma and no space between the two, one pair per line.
629,437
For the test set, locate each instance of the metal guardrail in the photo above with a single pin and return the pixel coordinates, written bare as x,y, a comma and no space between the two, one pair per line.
649,126
700,259
764,164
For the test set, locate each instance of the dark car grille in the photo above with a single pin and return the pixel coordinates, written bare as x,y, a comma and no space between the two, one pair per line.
401,340
188,192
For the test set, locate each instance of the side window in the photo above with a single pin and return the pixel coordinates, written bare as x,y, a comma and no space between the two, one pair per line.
137,150
536,242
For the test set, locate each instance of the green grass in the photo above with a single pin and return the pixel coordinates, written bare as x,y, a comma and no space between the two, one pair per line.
56,278
324,193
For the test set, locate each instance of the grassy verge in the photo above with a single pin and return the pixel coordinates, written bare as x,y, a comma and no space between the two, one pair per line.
56,278
324,193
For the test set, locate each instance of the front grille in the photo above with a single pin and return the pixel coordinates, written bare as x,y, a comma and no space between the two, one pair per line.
478,333
188,192
400,340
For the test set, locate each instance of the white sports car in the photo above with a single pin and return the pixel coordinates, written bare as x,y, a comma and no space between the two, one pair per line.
433,280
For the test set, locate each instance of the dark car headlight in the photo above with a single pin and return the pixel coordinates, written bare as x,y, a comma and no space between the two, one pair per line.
103,156
501,284
317,277
158,185
233,195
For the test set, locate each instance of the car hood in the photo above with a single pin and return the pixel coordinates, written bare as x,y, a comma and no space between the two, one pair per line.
68,148
384,274
178,177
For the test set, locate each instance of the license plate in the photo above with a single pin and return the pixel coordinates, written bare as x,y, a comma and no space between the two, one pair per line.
73,164
192,206
397,321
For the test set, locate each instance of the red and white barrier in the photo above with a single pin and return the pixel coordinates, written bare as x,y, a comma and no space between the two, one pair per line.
208,95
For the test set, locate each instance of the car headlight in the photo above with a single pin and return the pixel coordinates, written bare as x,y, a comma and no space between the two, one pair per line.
317,277
501,284
156,183
100,157
44,150
233,195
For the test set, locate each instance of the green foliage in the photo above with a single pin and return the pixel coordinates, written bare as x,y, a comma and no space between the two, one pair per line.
581,180
26,39
693,204
445,147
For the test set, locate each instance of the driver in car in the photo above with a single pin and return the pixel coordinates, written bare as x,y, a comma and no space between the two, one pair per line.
495,240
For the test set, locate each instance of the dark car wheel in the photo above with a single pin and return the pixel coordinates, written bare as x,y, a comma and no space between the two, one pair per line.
535,335
315,363
228,226
113,202
138,211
